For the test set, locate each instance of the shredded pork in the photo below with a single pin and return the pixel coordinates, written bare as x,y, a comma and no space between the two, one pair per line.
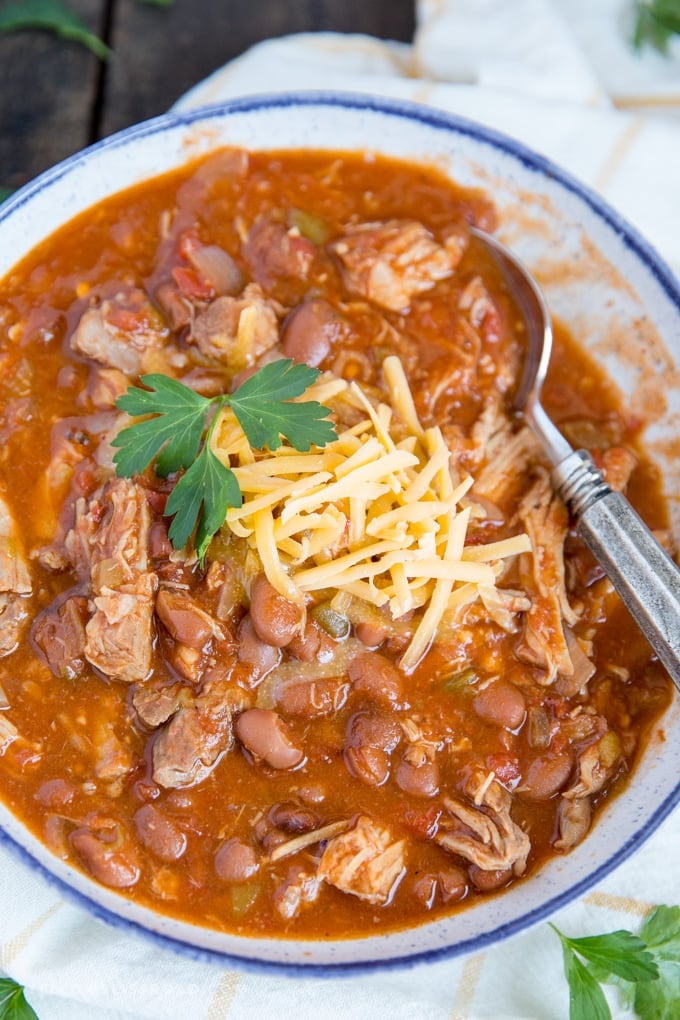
366,862
391,263
490,839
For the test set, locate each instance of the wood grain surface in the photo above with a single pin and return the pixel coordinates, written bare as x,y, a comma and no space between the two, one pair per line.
56,97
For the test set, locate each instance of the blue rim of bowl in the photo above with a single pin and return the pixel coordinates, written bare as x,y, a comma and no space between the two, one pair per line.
655,265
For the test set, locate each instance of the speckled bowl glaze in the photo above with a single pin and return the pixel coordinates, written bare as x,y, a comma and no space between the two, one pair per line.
602,279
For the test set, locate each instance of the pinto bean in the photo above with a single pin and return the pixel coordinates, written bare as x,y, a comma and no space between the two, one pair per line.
55,793
418,780
275,619
184,620
501,703
235,861
159,834
160,545
546,776
293,819
311,698
255,652
452,883
372,730
108,863
265,735
425,889
311,330
314,643
375,676
371,764
372,634
487,881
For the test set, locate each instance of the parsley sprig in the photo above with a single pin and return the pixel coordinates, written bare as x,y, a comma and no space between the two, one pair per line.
178,433
645,967
13,1005
55,17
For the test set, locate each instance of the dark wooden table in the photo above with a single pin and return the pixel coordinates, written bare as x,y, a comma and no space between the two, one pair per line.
56,97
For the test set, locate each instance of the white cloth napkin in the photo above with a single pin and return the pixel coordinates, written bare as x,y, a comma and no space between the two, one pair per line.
550,74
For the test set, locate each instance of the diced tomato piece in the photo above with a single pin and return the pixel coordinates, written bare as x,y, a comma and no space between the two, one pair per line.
506,769
191,284
423,822
123,318
187,243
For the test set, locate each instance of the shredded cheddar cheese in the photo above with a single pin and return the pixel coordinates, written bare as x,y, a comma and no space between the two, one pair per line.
376,514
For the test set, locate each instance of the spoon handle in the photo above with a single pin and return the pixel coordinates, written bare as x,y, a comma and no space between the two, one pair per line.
643,574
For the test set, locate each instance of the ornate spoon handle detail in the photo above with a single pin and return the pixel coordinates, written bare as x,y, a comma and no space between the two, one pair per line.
643,574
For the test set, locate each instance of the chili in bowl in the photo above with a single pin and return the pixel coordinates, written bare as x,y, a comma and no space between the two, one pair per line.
302,664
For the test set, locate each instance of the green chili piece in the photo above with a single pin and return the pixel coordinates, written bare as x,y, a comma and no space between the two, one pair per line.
333,623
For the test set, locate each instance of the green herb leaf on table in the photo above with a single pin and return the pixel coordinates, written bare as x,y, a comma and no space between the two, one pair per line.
656,21
660,999
5,193
586,998
619,953
52,16
13,1005
177,434
646,968
661,933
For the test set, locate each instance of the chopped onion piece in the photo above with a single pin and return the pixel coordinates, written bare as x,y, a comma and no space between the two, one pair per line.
218,268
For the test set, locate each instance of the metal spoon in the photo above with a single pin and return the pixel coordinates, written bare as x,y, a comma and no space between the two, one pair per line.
643,574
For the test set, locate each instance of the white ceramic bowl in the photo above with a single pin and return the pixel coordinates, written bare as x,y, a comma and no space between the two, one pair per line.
602,280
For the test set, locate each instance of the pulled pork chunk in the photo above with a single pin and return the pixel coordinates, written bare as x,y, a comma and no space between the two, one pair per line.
617,465
13,618
108,547
155,705
573,822
299,887
59,632
544,642
236,330
14,575
496,843
391,263
596,766
190,745
15,584
119,634
508,453
125,332
274,251
365,862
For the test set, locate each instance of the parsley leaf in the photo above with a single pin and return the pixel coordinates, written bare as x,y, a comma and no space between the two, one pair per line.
202,495
618,953
5,193
655,23
661,933
13,1005
660,999
176,429
174,436
586,998
54,17
265,412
